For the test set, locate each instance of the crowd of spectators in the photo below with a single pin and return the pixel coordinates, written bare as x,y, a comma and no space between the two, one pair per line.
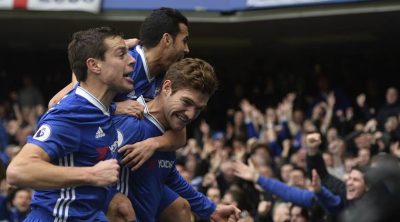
355,159
18,118
323,160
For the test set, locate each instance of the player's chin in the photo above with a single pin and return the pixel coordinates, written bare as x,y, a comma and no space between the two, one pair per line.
178,125
126,87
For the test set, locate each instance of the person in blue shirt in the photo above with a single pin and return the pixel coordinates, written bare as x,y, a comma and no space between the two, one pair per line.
152,188
66,160
298,196
163,40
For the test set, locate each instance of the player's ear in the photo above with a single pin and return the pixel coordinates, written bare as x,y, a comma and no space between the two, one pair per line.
167,39
93,65
167,87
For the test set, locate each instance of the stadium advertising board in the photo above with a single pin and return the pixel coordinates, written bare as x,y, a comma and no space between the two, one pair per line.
96,6
92,6
278,3
6,4
209,5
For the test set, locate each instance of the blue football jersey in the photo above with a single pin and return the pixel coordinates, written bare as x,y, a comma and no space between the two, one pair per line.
144,85
78,132
145,186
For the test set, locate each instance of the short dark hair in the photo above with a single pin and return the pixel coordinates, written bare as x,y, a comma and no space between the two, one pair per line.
13,193
192,73
299,169
88,44
160,21
361,169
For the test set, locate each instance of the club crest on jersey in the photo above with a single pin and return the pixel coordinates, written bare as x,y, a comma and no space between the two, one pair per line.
120,138
43,133
100,133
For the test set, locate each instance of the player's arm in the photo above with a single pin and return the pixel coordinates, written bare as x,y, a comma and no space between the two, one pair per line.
56,98
31,168
129,107
136,154
199,203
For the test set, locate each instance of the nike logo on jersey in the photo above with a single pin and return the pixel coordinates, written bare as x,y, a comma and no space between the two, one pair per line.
100,133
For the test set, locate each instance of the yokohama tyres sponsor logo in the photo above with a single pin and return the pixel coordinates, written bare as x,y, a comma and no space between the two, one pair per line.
165,164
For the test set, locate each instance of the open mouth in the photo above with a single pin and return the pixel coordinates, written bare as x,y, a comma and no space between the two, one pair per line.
351,190
183,118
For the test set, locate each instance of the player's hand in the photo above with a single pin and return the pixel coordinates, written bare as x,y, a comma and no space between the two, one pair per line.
132,42
104,173
225,213
130,107
313,140
135,155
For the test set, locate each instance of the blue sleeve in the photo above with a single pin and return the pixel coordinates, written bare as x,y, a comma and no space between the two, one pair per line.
3,208
297,140
285,132
199,203
300,197
329,201
276,148
57,138
251,131
3,136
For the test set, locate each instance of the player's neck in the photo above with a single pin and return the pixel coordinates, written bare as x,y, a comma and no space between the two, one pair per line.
155,110
98,90
154,61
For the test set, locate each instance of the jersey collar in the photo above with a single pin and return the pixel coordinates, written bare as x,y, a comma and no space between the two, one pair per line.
149,116
92,99
139,49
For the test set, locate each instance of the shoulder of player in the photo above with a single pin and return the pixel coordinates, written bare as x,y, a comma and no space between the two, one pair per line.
73,112
126,121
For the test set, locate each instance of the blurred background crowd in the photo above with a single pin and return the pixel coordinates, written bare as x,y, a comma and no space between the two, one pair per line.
271,137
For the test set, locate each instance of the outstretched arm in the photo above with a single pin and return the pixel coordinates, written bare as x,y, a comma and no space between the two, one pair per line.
199,203
136,154
31,168
292,194
315,161
326,198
